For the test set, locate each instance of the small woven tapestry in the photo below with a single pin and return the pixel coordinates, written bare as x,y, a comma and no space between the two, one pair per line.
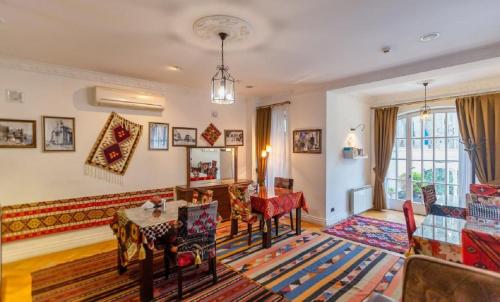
211,134
115,145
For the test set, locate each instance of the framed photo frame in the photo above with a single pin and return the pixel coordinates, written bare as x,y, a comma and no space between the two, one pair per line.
58,133
17,133
307,141
158,136
233,138
184,137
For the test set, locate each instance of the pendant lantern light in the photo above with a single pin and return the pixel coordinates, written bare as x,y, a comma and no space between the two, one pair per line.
425,112
222,81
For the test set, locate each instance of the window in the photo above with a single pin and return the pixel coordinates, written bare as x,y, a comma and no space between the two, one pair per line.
426,152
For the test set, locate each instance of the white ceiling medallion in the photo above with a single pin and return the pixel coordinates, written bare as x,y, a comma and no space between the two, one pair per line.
208,28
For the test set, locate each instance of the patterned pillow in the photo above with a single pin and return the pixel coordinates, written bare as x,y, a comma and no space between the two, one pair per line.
484,190
484,213
487,200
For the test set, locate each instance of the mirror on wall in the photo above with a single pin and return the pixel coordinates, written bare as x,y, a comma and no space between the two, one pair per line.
211,164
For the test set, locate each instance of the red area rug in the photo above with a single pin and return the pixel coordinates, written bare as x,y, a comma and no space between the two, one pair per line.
374,232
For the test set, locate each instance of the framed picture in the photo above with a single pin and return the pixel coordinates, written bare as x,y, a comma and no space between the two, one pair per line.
182,136
17,133
307,141
58,133
233,137
158,136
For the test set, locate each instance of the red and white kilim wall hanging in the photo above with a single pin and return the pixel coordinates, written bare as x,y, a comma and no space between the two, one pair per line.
29,220
211,134
115,145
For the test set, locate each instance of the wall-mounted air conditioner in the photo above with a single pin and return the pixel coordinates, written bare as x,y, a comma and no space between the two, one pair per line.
112,97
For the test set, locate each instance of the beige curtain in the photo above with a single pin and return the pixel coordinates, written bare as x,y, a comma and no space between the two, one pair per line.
385,134
262,138
479,122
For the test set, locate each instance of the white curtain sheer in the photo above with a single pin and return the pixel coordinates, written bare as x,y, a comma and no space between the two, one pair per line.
278,163
465,174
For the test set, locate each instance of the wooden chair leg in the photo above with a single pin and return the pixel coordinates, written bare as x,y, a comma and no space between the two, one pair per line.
291,219
179,283
166,261
249,234
276,222
213,264
121,269
234,228
261,225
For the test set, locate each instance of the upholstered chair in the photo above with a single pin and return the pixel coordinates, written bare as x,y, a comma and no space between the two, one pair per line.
241,210
411,226
201,196
195,241
284,183
431,207
432,279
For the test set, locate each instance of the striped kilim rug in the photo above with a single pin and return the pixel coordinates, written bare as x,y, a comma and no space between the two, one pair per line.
96,279
319,267
311,267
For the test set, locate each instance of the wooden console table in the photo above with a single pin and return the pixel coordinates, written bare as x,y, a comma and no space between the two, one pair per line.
220,189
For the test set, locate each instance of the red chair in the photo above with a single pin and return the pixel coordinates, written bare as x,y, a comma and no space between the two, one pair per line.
481,250
411,226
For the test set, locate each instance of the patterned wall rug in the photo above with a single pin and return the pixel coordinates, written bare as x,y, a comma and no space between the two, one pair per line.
391,236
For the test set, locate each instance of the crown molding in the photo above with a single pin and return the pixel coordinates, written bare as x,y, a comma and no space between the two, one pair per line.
9,62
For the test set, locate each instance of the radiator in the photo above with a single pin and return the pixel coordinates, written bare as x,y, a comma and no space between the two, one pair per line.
360,199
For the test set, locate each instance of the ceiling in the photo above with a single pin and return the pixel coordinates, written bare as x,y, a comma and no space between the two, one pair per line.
476,77
294,44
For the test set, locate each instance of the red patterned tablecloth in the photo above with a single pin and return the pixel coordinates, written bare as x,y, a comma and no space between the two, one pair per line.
271,206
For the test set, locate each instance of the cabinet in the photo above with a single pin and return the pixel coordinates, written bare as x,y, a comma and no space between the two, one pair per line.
220,189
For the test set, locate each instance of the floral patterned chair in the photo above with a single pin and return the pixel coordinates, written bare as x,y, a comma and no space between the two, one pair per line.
284,183
195,240
202,196
429,193
241,210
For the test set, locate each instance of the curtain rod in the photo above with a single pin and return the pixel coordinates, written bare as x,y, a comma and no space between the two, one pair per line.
275,104
437,99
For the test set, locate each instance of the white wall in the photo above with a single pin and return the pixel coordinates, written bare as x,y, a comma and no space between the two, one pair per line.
29,175
342,113
308,111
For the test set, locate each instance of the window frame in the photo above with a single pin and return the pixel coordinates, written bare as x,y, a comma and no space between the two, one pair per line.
407,180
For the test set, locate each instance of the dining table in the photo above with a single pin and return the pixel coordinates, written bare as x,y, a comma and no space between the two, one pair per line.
138,232
440,237
273,202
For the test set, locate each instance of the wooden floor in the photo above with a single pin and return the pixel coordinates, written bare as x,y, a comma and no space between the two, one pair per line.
16,276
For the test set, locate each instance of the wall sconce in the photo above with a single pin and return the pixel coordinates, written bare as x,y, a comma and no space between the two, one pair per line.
362,126
263,154
269,149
